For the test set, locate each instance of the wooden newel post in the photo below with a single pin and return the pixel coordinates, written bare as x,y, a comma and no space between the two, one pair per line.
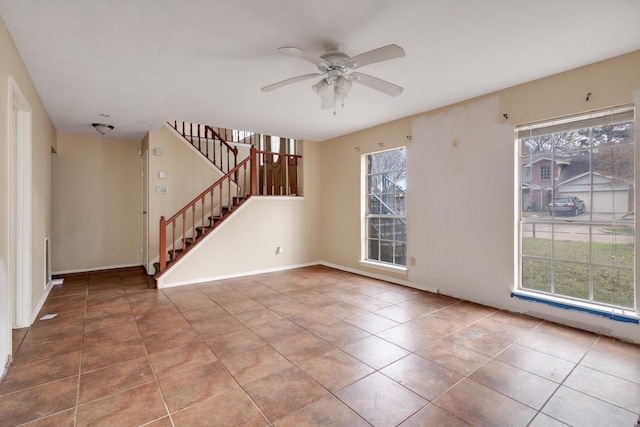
163,244
252,174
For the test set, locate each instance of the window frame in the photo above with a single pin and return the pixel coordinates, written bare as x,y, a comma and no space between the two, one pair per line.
396,217
591,121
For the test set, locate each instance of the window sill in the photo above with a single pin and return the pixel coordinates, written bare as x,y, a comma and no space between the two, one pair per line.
387,267
619,315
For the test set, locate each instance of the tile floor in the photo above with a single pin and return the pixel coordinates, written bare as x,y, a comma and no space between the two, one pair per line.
306,347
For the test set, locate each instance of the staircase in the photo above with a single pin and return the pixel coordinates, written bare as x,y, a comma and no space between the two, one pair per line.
261,173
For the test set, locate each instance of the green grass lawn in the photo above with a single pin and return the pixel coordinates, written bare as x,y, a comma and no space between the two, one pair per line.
612,283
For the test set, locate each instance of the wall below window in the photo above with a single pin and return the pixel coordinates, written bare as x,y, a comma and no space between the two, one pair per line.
460,187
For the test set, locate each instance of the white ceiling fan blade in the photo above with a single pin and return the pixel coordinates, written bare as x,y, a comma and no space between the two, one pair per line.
299,53
378,55
289,81
376,83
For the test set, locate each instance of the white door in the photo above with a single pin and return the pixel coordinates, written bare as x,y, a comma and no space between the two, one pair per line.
144,179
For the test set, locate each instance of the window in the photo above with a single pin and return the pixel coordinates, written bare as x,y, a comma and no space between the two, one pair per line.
545,173
577,233
386,238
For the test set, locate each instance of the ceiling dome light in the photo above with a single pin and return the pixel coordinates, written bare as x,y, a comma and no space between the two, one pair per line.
102,128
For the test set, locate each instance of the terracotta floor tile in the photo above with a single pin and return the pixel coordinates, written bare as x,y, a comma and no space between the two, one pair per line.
339,333
406,337
479,405
114,379
235,342
570,334
102,337
515,383
342,310
325,412
255,364
109,321
335,369
514,319
613,363
190,386
578,409
458,359
380,400
312,318
276,331
371,322
32,352
205,342
112,353
258,317
542,420
435,326
617,391
375,351
170,339
290,309
61,419
432,415
423,377
284,392
28,375
232,409
479,340
555,346
240,306
302,347
536,362
182,358
37,402
133,407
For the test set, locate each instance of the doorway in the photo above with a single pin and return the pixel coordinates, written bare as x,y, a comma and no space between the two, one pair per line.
20,233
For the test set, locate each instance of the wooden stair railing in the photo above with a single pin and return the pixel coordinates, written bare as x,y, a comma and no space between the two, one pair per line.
262,173
199,136
180,233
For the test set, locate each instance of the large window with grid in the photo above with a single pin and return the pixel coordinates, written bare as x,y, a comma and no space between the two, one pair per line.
577,231
385,216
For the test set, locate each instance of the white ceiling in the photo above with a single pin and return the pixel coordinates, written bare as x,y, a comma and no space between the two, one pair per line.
147,61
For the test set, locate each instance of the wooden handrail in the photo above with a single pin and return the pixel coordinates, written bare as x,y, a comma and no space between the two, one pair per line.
258,174
207,133
203,207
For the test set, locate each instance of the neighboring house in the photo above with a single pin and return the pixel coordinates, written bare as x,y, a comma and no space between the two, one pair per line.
574,177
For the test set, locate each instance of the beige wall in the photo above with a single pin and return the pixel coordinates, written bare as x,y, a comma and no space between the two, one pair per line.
96,205
187,175
461,187
43,141
247,242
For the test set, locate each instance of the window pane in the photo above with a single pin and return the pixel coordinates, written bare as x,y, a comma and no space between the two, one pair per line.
536,274
613,286
571,279
578,187
386,194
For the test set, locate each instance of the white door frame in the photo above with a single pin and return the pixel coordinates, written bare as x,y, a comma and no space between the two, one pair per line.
20,213
144,219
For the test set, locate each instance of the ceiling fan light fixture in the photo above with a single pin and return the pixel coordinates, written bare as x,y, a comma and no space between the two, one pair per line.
343,85
320,87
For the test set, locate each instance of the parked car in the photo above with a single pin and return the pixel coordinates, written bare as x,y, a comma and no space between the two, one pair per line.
569,205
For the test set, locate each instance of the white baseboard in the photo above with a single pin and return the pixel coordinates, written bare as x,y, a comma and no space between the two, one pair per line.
105,267
38,307
161,285
381,277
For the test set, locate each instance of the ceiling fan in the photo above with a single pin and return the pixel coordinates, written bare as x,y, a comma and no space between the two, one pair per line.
336,68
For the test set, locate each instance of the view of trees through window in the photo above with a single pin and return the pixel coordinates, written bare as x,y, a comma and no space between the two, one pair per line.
577,224
386,237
